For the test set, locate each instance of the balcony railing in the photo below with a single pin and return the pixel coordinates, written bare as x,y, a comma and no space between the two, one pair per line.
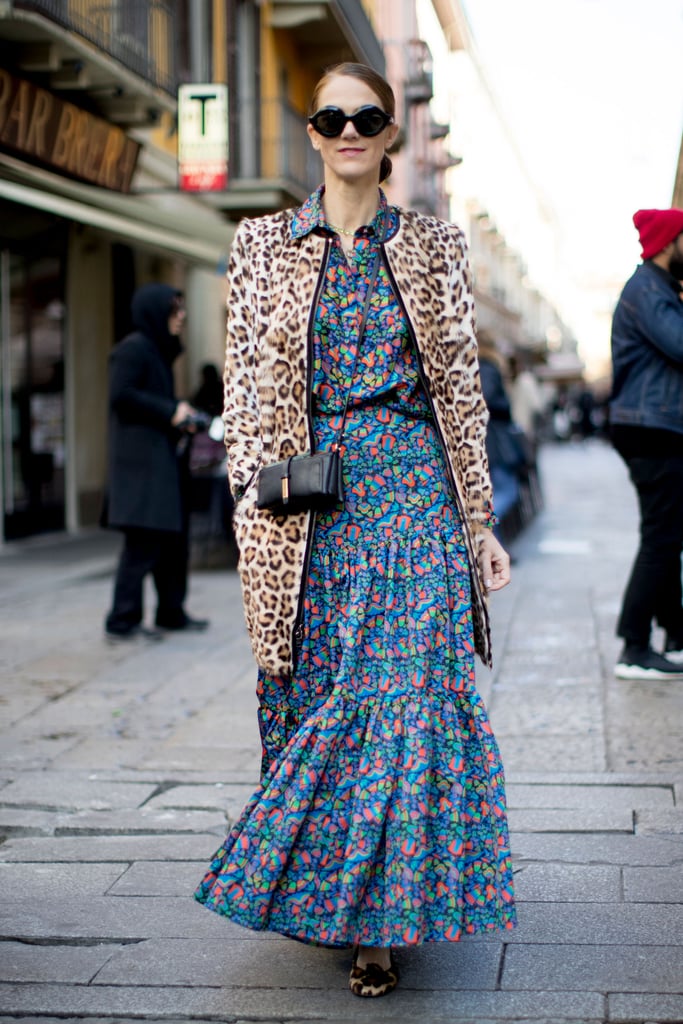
272,144
136,33
419,87
299,162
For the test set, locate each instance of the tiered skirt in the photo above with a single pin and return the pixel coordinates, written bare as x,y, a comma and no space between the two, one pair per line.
380,818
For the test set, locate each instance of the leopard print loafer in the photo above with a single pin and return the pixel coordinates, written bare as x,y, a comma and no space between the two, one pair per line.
372,980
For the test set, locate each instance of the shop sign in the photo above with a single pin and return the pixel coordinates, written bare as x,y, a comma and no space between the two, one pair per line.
37,124
203,138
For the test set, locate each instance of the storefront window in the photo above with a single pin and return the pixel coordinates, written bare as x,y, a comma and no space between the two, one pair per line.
32,392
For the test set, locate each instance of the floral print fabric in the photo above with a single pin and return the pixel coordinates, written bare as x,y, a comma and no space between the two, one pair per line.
380,818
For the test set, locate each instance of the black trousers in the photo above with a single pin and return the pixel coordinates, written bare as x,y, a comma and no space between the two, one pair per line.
165,556
653,591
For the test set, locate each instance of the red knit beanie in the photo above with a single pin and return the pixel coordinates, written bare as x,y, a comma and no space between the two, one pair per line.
657,228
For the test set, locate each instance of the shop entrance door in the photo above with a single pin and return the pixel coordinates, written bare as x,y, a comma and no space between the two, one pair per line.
32,391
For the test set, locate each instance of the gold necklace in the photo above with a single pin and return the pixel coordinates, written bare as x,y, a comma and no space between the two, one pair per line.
342,231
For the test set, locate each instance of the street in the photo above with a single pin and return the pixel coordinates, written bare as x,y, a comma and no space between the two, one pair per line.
121,767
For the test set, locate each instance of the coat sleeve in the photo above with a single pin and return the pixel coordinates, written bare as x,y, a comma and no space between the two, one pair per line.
129,395
241,413
471,454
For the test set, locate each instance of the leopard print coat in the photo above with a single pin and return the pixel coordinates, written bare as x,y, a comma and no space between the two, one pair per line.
272,291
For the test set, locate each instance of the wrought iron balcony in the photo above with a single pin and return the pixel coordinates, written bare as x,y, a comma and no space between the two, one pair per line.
298,162
419,86
136,33
272,163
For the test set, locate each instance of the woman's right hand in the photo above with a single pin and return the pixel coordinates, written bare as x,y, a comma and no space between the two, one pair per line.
494,562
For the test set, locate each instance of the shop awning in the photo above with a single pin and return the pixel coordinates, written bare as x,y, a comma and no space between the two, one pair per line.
132,219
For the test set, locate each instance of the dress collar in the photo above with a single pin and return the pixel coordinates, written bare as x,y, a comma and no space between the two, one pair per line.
311,216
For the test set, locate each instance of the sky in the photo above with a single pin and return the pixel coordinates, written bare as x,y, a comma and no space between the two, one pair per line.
592,93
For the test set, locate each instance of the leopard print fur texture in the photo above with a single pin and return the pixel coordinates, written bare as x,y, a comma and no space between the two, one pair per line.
272,280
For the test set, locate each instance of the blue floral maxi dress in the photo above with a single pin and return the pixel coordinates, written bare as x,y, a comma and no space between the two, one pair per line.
380,818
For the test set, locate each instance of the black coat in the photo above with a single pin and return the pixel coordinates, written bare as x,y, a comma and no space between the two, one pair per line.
144,470
505,442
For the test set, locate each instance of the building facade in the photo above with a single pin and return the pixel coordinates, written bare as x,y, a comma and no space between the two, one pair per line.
88,211
90,207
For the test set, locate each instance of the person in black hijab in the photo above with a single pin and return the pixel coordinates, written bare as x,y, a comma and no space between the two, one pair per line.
146,499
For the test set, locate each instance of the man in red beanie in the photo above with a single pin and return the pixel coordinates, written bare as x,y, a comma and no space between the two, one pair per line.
646,424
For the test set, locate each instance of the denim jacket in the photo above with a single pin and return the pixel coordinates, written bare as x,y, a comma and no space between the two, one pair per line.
647,352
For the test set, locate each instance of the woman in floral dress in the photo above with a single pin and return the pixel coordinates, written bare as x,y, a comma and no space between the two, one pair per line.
380,819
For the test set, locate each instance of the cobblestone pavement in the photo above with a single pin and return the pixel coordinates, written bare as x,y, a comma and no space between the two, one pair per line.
120,767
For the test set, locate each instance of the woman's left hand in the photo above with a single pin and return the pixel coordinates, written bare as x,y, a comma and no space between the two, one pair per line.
494,562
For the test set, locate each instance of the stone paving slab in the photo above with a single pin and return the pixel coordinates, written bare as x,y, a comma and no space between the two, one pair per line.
143,822
569,883
219,776
102,1020
30,753
636,710
54,793
548,710
299,1020
219,796
590,797
656,885
265,1004
75,965
19,821
111,917
69,880
647,851
668,780
644,1009
100,849
114,756
23,695
523,753
147,821
653,823
517,670
574,820
550,635
237,763
595,923
401,1019
150,878
592,968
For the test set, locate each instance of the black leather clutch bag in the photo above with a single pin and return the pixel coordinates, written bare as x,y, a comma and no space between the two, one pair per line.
300,483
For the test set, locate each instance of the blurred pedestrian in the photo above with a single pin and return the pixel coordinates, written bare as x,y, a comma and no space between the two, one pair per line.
584,403
210,491
646,422
561,417
209,395
148,473
505,446
380,820
208,449
527,400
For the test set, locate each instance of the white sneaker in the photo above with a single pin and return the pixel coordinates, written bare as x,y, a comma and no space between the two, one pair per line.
644,663
673,651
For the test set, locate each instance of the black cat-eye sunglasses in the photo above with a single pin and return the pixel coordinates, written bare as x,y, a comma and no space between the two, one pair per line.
368,121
